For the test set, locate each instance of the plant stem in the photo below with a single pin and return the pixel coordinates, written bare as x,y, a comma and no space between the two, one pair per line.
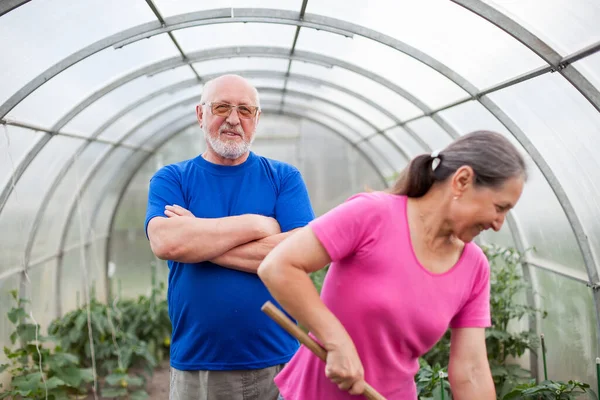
544,356
442,384
598,373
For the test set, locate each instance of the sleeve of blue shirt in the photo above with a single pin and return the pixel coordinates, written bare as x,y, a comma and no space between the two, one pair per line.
165,189
293,209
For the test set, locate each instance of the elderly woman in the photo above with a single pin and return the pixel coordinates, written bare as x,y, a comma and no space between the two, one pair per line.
403,270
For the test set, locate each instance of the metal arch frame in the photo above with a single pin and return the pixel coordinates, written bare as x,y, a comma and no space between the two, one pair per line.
339,25
190,100
552,57
320,59
226,15
537,45
587,90
261,74
315,19
237,52
9,5
268,52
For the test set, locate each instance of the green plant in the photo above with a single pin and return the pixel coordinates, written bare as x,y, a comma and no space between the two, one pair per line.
431,382
119,384
112,346
507,285
39,372
549,390
147,318
318,277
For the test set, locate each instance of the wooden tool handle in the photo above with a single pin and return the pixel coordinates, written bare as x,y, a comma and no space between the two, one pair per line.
278,316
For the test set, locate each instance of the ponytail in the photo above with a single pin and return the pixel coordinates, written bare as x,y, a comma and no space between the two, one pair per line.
416,179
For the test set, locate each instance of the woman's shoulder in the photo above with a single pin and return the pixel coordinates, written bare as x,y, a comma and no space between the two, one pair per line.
375,198
477,258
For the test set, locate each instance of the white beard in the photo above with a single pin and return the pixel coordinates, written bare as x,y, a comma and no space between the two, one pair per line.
230,149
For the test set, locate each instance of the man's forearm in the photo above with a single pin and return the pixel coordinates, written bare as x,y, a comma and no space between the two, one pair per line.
189,239
248,257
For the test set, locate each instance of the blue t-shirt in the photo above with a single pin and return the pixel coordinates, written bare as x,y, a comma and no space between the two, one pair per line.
215,311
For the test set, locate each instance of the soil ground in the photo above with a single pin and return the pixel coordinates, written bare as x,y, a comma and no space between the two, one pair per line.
158,384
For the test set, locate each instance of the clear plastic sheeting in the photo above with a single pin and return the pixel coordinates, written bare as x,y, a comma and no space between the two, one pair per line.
92,119
225,65
569,329
85,78
40,288
84,206
388,99
96,96
550,238
566,25
15,142
234,34
45,39
590,68
55,212
568,145
451,34
18,213
169,7
409,141
430,132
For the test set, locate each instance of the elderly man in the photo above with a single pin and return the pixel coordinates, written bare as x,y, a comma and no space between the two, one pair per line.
214,218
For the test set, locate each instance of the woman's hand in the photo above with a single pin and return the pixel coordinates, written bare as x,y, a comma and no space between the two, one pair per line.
345,369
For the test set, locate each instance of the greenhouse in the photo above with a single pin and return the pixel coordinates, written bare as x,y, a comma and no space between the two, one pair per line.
96,96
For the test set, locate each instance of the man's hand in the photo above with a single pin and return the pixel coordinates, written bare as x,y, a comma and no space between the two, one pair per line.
177,211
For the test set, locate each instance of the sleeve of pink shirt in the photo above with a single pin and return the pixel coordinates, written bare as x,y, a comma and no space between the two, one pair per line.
351,226
475,313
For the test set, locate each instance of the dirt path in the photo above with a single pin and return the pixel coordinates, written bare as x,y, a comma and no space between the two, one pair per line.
158,385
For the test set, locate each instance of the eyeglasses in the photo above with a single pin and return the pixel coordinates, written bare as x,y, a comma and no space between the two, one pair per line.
224,109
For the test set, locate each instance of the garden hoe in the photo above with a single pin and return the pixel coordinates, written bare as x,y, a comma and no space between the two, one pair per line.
278,316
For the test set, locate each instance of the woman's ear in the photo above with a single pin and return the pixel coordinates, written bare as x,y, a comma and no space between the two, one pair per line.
463,178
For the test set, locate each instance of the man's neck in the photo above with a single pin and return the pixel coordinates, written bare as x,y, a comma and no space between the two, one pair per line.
212,157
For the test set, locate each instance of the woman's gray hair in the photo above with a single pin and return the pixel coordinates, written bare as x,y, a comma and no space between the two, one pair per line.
491,156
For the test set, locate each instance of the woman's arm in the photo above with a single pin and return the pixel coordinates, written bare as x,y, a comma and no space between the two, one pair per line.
469,370
285,273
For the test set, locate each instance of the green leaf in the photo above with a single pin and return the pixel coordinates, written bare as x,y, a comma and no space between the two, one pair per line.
16,314
27,332
74,377
53,383
30,382
3,367
114,379
139,395
112,392
134,381
61,359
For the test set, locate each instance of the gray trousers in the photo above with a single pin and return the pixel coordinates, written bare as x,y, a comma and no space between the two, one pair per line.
254,384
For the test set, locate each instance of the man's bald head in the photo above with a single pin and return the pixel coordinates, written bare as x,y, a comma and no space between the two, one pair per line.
224,84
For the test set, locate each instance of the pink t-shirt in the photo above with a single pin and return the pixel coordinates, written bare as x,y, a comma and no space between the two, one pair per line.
394,309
